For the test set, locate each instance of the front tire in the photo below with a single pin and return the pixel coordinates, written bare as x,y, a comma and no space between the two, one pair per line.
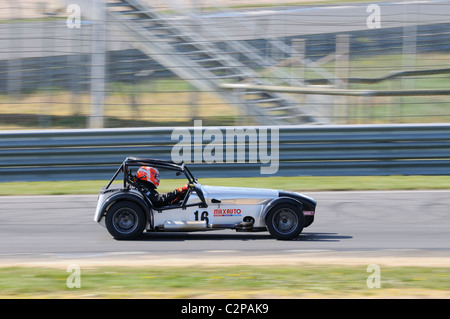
125,220
285,221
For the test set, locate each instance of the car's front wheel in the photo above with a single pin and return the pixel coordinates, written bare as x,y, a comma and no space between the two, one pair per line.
125,220
285,221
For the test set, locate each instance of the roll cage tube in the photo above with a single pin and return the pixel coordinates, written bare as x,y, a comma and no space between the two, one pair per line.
136,161
114,176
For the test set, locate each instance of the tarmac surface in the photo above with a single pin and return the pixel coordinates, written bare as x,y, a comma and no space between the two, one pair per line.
363,227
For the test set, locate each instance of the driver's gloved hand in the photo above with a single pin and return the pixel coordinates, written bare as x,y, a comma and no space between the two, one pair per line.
183,189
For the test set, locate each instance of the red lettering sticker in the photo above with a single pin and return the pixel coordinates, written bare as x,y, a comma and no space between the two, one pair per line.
227,212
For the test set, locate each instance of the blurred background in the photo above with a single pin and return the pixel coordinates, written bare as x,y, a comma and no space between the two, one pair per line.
351,90
142,63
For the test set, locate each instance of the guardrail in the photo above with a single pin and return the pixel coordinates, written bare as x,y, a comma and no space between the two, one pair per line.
343,150
242,87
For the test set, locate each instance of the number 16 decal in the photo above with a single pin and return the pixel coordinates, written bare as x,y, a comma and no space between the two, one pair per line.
203,216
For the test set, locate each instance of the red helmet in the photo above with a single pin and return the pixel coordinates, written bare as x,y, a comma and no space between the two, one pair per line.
149,174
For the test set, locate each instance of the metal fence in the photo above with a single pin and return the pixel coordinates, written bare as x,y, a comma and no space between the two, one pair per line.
341,150
55,74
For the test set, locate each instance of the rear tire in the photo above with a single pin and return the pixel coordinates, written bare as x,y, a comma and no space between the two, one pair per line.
125,220
285,221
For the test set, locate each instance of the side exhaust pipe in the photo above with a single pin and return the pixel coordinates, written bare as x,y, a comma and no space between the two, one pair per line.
175,226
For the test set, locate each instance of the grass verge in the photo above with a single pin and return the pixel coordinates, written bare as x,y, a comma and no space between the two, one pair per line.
296,183
306,281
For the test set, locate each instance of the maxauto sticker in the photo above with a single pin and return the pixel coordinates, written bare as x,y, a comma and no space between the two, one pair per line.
227,212
308,212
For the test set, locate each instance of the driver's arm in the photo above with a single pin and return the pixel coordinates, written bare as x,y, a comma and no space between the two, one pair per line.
166,198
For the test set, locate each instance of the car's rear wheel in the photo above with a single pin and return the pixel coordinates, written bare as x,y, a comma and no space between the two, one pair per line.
125,220
285,221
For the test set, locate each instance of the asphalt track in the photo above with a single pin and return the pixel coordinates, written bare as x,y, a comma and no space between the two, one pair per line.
406,227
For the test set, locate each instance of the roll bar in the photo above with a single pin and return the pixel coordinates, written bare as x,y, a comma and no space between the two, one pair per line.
139,161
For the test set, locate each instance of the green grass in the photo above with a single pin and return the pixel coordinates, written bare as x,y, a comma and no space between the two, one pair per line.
302,281
296,183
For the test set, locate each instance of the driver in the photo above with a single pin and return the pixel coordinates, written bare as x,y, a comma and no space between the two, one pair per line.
148,177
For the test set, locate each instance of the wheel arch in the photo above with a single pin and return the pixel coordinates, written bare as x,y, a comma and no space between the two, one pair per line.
280,200
135,198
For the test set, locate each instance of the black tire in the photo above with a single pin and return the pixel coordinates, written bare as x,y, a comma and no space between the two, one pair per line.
125,220
285,221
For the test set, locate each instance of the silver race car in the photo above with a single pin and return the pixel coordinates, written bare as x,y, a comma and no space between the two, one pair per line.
127,211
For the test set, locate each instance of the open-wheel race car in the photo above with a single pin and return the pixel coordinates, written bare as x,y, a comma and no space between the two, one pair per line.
126,209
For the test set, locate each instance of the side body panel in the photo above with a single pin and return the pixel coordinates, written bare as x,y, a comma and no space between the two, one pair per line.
231,205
